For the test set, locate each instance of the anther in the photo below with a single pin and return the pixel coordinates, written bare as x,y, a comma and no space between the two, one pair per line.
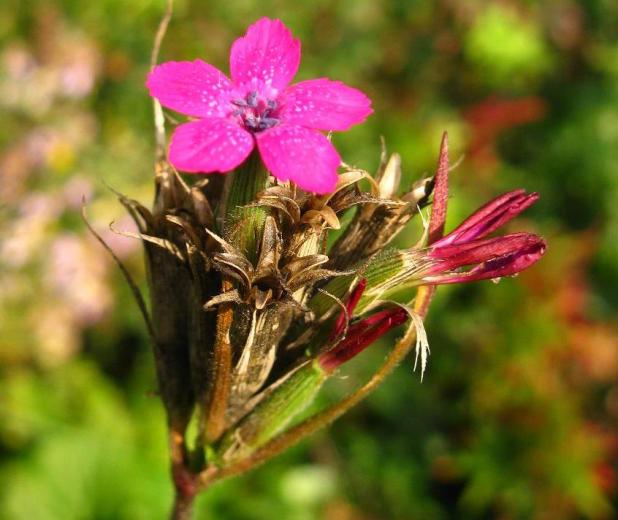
252,99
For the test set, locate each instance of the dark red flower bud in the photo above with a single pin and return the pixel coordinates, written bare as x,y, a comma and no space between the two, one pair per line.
491,257
489,217
360,336
494,258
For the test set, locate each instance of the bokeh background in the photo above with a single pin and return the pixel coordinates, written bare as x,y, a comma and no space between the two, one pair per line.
517,415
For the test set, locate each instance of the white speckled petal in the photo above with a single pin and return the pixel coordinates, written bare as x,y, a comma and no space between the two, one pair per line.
209,145
324,104
266,58
301,155
194,88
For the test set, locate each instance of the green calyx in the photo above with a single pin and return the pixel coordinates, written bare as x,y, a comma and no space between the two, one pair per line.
276,410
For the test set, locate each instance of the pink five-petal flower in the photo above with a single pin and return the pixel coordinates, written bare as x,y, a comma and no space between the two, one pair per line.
258,107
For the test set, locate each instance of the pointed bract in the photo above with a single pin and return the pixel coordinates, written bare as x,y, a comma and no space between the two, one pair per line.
440,194
350,305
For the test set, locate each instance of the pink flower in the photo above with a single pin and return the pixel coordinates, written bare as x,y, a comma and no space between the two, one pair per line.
490,257
258,107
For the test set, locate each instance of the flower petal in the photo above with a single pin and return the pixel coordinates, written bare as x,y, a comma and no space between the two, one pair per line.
477,251
507,264
490,217
194,88
209,145
324,104
266,58
300,154
496,257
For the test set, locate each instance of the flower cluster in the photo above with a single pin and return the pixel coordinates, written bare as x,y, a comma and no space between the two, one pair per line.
251,311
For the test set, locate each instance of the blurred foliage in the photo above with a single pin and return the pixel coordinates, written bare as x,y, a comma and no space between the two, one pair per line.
517,416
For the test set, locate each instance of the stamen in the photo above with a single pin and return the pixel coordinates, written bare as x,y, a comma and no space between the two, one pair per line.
267,122
255,114
252,99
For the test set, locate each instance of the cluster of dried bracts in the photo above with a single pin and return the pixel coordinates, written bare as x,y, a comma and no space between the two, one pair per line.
251,311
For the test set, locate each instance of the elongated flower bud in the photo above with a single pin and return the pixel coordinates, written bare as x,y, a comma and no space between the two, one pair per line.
360,336
494,258
490,217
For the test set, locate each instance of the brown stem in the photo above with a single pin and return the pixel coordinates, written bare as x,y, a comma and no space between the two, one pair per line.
185,481
222,369
183,507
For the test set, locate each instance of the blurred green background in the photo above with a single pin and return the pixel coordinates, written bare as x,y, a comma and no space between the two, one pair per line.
517,414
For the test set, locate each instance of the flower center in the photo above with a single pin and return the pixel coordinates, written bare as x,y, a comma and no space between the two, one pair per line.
255,113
